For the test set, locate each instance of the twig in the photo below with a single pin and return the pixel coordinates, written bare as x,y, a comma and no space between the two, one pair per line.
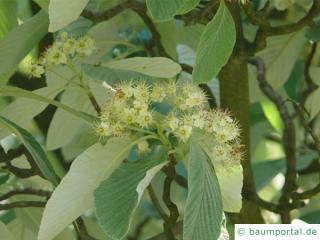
138,231
173,209
265,29
22,204
289,142
26,191
156,203
176,229
181,181
106,15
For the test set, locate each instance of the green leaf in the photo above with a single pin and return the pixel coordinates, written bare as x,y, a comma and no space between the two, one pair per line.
272,114
8,10
5,233
215,46
18,92
62,12
154,66
165,10
65,126
280,57
312,103
230,179
23,110
203,211
19,42
112,76
44,4
117,198
74,194
34,149
266,170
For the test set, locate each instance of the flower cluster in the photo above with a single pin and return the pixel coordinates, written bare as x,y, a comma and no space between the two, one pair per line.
132,108
62,51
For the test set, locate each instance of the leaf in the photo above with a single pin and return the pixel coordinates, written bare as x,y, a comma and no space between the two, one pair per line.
215,46
5,233
165,10
264,171
272,114
154,66
19,42
34,149
74,194
18,92
62,12
112,76
117,198
312,104
23,110
230,179
203,211
280,57
65,126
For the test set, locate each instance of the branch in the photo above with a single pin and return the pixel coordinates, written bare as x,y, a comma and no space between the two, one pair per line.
138,231
289,142
156,203
26,191
173,209
266,30
22,204
106,15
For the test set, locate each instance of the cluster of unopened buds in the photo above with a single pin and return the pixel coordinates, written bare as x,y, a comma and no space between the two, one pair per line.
64,50
132,109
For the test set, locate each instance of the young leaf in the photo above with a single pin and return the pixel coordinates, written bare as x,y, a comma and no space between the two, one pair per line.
62,12
74,195
203,211
215,46
19,42
149,66
165,10
34,149
117,198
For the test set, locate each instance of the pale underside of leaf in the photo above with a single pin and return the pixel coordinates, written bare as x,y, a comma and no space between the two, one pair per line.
62,12
74,195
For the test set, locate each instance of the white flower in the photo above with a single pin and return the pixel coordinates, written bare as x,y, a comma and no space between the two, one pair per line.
173,122
69,46
55,56
158,93
184,132
171,88
85,46
129,115
220,152
140,105
117,129
141,92
103,129
145,118
36,70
